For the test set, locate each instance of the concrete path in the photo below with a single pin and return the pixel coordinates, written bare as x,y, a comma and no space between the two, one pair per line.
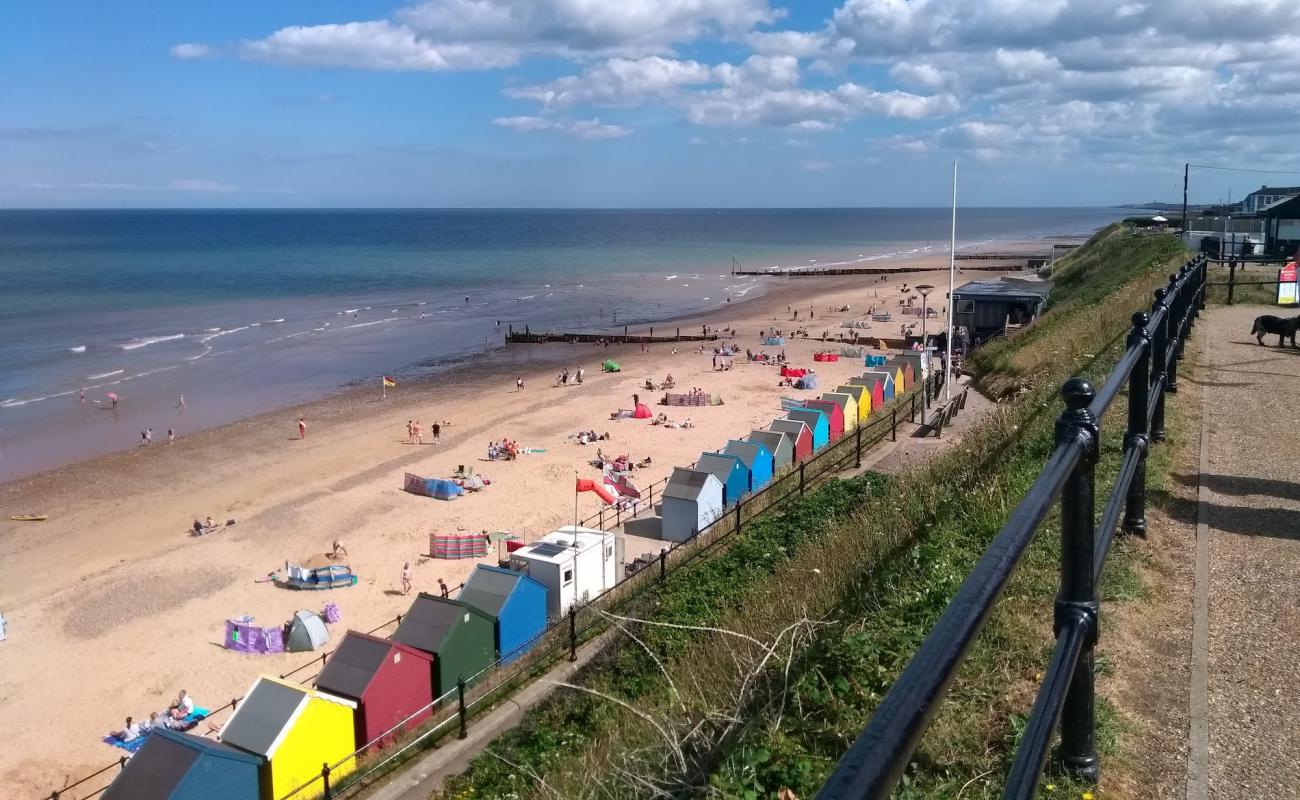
1249,504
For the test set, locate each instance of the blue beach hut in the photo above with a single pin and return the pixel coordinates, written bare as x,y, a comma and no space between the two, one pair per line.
730,471
178,766
515,602
816,421
884,376
756,457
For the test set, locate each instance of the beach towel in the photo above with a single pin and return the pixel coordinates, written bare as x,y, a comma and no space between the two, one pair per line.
188,723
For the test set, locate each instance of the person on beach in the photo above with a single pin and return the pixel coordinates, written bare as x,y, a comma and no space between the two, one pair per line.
410,431
406,578
302,428
171,436
415,432
114,399
180,401
128,734
519,383
442,589
83,396
436,430
182,706
148,436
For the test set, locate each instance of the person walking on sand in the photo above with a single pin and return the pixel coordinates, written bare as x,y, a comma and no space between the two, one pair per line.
415,432
442,588
519,383
83,397
302,428
171,436
406,578
436,430
180,401
410,431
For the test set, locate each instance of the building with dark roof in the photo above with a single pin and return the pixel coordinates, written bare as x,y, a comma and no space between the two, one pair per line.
392,684
515,602
985,308
179,766
459,636
1255,202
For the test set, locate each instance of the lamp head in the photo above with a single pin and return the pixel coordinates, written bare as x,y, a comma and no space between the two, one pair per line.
924,289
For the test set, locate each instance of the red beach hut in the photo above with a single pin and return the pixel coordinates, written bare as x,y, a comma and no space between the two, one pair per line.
798,433
834,415
388,681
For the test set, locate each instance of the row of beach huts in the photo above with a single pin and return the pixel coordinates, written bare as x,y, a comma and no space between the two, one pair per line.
370,689
695,496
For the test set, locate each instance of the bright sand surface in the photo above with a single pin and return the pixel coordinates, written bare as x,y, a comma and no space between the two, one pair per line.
113,607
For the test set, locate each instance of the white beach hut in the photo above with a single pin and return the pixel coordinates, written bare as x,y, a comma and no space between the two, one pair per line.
574,564
691,500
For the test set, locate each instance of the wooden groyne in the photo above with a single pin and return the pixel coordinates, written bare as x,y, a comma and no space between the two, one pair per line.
1029,262
528,336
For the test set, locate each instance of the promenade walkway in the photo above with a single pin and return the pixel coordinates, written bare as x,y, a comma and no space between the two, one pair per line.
1245,676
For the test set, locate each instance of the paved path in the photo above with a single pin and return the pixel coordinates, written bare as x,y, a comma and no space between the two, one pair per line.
1249,503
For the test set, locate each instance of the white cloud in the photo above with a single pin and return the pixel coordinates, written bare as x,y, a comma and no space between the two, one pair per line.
812,165
191,50
201,185
618,82
582,128
376,45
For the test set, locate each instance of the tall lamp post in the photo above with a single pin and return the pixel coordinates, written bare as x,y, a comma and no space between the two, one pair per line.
925,290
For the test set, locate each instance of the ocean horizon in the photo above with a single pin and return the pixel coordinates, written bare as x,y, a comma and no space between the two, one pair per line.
244,311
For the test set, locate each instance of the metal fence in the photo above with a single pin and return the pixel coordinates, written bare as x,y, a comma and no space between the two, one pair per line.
562,637
876,761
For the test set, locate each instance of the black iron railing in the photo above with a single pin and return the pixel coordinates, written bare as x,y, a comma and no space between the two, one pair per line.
1148,368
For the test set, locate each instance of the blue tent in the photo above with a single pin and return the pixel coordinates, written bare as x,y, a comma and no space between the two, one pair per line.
756,457
816,421
808,381
875,361
774,341
730,471
516,603
178,766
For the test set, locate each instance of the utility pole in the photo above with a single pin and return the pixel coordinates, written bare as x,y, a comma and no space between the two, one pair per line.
1186,167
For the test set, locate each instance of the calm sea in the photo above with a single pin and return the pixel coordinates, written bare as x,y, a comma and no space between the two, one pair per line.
245,311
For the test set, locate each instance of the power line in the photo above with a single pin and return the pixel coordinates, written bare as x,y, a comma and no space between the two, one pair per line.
1244,169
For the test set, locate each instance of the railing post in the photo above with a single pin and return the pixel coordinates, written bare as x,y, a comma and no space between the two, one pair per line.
857,453
1232,279
1174,333
663,563
325,779
1204,280
913,407
801,480
573,633
1076,604
1159,347
460,699
893,424
1138,433
1184,312
738,505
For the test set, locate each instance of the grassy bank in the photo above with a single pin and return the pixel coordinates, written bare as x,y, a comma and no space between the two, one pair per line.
753,672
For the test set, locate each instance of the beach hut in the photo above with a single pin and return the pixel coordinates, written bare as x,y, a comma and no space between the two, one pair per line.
891,388
848,407
516,603
458,636
574,564
392,684
778,444
834,418
799,434
920,361
874,387
818,423
730,471
179,766
901,381
861,396
691,501
756,458
307,631
294,730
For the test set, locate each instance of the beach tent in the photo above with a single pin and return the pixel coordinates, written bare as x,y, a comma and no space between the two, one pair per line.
826,356
891,388
834,418
799,434
458,545
178,766
780,446
515,602
307,631
431,487
756,458
691,501
295,730
730,471
861,396
390,683
793,372
808,381
818,423
875,361
642,411
774,341
574,564
848,407
460,638
611,366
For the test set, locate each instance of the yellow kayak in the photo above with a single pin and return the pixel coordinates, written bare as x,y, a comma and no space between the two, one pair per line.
29,517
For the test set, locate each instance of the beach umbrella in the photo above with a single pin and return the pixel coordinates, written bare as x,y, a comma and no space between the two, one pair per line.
111,395
1158,218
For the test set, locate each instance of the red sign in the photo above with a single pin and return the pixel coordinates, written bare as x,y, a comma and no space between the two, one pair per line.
1287,273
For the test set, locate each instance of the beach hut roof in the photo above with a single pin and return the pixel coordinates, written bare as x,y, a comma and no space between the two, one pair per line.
687,484
720,464
161,764
353,666
769,439
488,588
267,713
430,620
747,452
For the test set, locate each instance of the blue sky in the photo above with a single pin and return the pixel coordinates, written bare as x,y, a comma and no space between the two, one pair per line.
641,102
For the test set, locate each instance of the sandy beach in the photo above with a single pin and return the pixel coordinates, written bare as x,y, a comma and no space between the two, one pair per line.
113,606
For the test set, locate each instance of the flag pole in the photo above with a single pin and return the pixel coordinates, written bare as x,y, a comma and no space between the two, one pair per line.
952,269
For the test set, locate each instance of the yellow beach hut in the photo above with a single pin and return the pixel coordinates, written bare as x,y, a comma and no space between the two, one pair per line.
848,405
296,730
862,397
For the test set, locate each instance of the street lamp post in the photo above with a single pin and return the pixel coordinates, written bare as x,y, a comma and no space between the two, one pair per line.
925,290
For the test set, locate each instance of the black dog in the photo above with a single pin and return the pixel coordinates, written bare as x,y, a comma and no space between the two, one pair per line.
1285,328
